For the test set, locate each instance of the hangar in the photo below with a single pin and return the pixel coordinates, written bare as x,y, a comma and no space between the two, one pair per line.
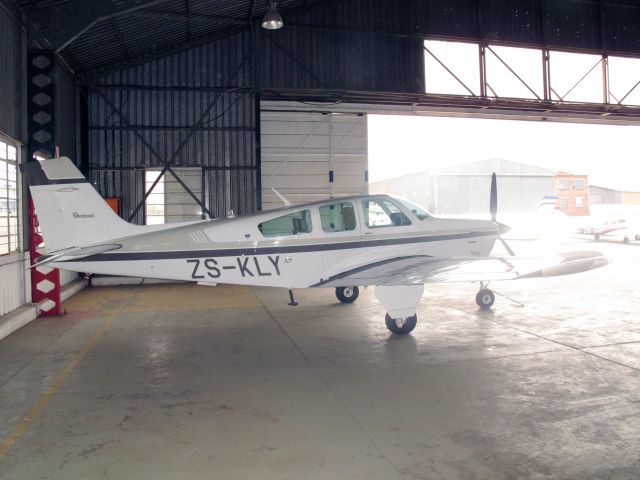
181,110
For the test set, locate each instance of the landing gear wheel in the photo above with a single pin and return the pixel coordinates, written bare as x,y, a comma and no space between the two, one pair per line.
401,325
637,237
485,298
596,236
347,294
625,239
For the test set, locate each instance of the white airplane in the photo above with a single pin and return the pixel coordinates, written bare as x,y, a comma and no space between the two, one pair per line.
613,227
344,243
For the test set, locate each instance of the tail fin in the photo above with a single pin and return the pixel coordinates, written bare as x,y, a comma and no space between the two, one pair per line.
70,211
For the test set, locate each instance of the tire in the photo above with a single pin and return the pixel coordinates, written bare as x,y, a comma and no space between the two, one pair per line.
637,237
596,236
485,298
347,294
625,239
407,327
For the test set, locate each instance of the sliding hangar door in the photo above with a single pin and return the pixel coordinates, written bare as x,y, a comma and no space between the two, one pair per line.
308,155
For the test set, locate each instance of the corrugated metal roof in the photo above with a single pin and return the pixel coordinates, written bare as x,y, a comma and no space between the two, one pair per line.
92,36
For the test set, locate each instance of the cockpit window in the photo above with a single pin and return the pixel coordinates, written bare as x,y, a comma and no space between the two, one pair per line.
291,224
338,217
383,213
418,211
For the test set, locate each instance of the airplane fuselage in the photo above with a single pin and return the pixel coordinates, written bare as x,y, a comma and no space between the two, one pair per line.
236,251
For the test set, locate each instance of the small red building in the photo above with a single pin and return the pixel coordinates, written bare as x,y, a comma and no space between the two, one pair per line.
572,192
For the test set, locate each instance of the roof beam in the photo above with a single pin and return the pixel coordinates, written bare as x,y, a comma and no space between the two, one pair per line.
250,13
59,25
174,16
120,38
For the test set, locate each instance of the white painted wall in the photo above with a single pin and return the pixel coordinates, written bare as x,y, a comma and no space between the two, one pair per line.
15,281
300,148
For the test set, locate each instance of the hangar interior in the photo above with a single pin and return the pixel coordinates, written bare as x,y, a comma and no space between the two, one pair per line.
189,109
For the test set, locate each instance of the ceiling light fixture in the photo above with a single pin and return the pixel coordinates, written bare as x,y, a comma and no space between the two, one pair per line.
272,19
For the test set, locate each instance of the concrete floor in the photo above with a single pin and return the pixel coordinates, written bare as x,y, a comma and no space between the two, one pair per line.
189,382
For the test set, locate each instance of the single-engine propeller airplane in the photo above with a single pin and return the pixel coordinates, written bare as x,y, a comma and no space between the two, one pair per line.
344,243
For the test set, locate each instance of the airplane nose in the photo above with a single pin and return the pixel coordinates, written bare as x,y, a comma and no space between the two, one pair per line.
502,228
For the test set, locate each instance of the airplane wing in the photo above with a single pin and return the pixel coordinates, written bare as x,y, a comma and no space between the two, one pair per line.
423,269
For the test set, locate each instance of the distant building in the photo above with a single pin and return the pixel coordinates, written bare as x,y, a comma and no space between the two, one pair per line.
464,189
573,193
601,195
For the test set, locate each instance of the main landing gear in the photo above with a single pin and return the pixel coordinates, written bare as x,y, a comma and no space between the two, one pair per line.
347,294
485,298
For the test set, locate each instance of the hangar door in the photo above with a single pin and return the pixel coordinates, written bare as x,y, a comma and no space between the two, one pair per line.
310,156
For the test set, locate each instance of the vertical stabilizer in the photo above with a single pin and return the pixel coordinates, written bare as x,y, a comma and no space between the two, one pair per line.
70,211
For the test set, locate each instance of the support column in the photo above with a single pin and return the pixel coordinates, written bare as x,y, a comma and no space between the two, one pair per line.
45,281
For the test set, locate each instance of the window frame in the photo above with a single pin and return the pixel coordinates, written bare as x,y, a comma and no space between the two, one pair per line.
155,193
14,235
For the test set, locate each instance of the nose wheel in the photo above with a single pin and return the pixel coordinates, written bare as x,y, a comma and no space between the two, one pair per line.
347,294
485,298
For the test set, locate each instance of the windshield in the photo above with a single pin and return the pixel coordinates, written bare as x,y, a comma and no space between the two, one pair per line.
418,211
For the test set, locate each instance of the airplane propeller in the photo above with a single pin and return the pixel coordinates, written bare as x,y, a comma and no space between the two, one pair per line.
493,208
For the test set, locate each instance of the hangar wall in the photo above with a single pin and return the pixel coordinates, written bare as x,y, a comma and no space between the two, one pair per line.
193,108
13,38
14,274
197,106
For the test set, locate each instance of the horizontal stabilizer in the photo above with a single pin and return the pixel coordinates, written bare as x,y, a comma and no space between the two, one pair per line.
74,253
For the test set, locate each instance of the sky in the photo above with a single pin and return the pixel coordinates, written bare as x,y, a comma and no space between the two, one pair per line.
401,145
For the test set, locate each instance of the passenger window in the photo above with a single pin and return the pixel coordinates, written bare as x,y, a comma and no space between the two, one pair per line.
291,224
382,213
338,217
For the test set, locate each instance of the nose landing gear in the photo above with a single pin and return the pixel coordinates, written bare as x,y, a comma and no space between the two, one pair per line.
485,298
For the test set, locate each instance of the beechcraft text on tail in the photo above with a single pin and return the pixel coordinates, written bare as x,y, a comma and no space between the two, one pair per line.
342,243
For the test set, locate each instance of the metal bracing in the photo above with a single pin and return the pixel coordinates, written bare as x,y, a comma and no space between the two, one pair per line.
455,77
41,109
167,165
550,94
204,123
295,60
582,78
513,72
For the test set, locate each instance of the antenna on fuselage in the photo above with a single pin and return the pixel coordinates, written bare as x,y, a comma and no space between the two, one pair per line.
286,202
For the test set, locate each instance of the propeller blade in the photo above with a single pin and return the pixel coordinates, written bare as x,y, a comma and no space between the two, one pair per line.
493,199
506,246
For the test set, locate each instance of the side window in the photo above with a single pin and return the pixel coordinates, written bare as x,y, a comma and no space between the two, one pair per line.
338,217
291,224
383,213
